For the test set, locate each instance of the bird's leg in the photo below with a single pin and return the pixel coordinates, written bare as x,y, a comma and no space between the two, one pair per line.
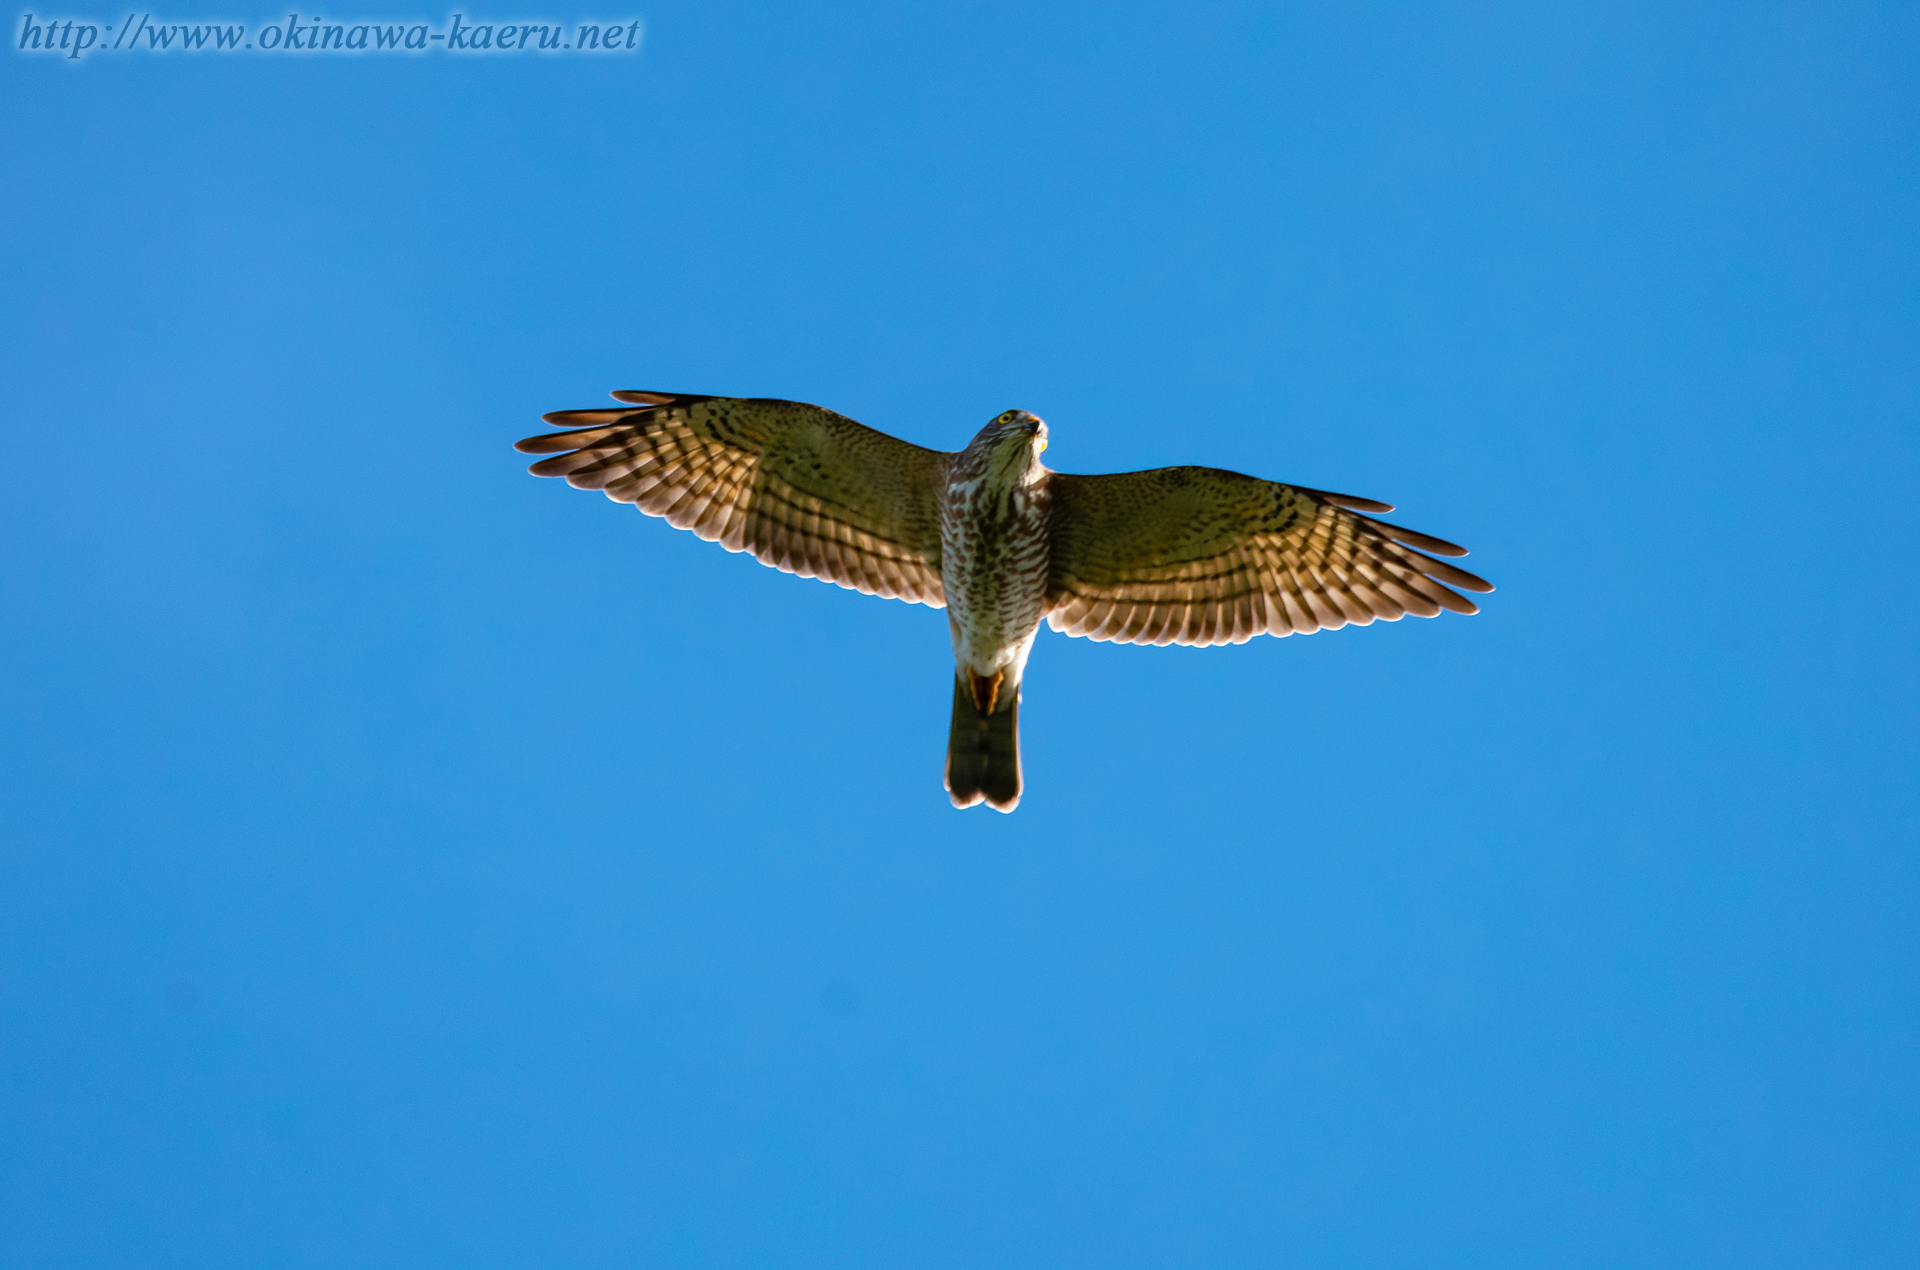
986,689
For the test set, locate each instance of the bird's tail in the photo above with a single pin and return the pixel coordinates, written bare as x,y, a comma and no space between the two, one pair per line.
983,749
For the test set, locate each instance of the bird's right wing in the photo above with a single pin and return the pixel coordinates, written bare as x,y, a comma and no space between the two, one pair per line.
1196,555
805,490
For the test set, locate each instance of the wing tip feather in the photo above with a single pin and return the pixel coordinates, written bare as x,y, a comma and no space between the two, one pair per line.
1351,502
1414,538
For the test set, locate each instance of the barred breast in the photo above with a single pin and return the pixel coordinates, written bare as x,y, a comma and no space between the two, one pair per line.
993,568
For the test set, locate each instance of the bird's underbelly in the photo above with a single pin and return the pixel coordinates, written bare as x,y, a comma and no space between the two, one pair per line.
994,572
992,631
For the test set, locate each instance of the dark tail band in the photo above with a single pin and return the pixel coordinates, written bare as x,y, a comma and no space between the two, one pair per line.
983,750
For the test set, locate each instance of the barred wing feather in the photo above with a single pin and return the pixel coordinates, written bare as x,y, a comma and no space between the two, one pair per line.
805,490
1196,555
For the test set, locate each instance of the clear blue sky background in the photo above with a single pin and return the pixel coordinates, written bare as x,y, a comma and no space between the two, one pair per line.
411,863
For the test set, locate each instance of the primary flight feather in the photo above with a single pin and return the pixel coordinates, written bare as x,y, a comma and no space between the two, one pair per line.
1176,555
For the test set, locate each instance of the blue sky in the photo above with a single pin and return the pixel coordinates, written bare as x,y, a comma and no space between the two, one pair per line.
411,863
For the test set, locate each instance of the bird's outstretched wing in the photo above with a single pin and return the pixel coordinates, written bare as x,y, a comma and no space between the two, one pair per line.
805,490
1196,555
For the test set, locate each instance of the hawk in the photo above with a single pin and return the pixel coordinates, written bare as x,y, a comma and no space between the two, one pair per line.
1176,555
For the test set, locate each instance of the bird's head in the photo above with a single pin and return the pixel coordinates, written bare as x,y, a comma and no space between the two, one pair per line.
1011,444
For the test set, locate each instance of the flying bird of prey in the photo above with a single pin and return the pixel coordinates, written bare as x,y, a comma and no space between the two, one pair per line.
1176,555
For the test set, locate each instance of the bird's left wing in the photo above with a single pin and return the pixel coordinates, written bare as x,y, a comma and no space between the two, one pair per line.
806,490
1196,555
